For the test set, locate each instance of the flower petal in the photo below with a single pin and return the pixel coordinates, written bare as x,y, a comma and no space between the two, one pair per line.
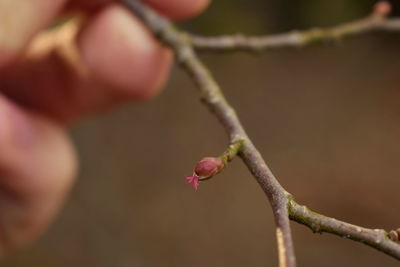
193,180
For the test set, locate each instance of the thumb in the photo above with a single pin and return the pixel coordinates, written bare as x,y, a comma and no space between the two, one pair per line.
37,166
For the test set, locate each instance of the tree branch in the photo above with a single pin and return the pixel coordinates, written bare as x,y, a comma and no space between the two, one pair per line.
283,205
291,39
213,97
376,238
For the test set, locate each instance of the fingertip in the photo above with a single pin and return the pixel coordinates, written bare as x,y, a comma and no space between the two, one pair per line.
121,53
175,9
37,167
36,149
180,9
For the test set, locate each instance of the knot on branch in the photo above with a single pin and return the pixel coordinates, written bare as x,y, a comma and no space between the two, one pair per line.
394,235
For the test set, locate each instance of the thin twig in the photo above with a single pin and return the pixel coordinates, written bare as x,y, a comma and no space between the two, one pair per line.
376,238
239,42
282,202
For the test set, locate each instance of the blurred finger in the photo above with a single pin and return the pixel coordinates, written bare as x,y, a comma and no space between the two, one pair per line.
121,62
179,9
37,166
20,20
176,9
120,52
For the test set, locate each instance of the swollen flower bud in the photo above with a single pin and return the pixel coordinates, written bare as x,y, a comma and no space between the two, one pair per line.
208,167
205,169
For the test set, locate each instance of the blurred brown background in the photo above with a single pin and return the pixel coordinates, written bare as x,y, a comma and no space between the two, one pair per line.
326,118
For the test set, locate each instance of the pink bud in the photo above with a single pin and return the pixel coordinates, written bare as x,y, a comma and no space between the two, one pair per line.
382,9
208,167
205,169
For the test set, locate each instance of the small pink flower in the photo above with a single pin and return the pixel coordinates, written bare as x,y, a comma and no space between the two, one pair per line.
205,169
194,180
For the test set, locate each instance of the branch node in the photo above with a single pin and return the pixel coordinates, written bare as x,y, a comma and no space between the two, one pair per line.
393,235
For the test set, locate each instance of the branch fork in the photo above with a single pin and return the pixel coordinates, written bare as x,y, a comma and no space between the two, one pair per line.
283,205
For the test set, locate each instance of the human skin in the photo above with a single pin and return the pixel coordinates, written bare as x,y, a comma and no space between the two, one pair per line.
116,61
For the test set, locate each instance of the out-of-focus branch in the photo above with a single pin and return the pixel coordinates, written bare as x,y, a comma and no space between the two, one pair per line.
376,238
283,205
240,42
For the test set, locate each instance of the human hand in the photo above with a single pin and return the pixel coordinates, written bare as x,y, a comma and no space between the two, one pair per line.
50,79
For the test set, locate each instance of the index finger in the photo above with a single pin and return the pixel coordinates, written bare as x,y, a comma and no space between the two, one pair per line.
179,9
20,20
175,9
